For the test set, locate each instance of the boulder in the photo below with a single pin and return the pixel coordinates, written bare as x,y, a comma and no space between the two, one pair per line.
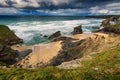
55,35
45,36
77,30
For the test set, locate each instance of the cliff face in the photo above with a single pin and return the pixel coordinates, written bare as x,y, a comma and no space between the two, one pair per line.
8,38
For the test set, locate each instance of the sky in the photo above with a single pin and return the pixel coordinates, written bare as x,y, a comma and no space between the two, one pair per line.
60,7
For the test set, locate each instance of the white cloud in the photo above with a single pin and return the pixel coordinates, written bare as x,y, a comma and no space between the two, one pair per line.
9,11
113,4
98,10
31,3
3,3
57,2
114,12
108,9
23,3
14,11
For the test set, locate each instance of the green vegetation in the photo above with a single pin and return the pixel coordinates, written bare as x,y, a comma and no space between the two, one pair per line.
113,28
7,38
112,24
102,66
5,32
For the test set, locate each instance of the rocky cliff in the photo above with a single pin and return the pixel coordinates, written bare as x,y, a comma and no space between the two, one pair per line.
8,38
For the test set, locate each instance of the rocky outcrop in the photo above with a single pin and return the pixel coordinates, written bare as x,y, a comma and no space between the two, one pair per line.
8,38
74,63
8,56
55,35
24,53
75,50
111,25
77,30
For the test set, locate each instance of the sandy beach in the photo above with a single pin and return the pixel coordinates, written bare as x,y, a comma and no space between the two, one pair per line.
43,53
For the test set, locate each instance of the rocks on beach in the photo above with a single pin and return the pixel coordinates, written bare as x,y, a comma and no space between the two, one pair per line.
74,50
55,53
77,30
55,35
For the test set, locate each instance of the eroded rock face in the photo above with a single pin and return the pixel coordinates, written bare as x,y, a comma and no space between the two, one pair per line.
55,35
75,50
77,30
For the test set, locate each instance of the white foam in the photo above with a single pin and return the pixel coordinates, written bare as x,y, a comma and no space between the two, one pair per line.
27,30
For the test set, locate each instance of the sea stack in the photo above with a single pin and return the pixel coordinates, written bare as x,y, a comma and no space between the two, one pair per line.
77,30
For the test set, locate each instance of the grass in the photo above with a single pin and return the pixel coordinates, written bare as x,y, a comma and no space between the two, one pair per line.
102,66
113,28
5,32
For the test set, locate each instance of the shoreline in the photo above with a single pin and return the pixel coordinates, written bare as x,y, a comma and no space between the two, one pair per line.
76,37
43,53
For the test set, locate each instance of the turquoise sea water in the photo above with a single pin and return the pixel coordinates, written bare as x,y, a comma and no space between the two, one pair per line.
32,29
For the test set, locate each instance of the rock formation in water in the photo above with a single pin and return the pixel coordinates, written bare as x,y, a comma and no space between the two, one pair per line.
55,35
77,30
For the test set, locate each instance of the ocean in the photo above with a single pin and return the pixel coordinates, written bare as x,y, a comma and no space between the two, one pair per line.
32,29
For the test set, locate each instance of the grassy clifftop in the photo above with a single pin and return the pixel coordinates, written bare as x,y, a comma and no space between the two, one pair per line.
5,32
7,36
102,66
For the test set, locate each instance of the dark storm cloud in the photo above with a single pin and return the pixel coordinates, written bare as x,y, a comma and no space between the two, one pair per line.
52,4
61,6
